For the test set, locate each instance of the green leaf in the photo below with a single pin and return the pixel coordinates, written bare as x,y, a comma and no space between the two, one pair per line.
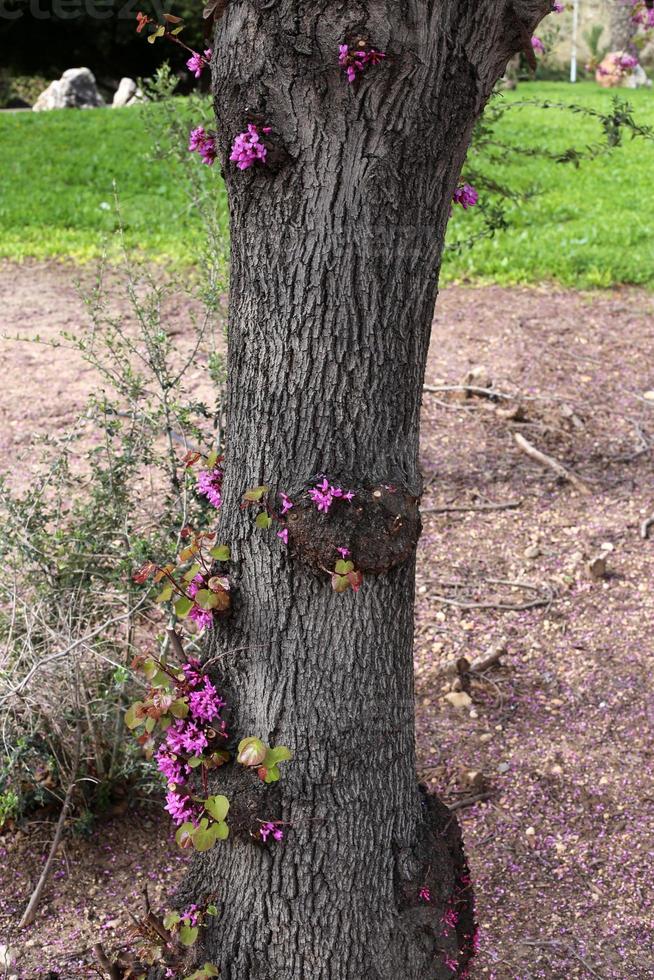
217,806
188,935
131,719
185,834
203,840
149,668
150,724
221,830
165,722
279,754
212,910
192,572
255,494
340,583
212,459
171,919
194,762
179,708
273,775
263,521
161,679
221,552
183,607
343,567
165,594
206,599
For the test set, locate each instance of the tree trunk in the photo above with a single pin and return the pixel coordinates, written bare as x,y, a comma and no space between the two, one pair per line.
335,257
622,27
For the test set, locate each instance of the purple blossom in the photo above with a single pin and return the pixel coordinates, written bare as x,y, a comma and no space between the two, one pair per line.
424,894
206,703
557,8
451,963
450,918
180,807
193,669
627,61
191,915
248,148
184,737
283,535
200,142
198,62
537,45
323,495
287,504
466,196
194,586
203,617
344,553
210,484
269,828
356,61
172,768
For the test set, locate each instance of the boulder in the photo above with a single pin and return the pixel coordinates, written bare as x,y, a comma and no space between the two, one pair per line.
127,93
620,69
76,89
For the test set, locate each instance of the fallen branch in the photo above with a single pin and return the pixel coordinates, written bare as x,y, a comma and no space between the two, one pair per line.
479,664
468,389
30,912
559,944
112,970
542,600
469,801
645,527
509,505
550,463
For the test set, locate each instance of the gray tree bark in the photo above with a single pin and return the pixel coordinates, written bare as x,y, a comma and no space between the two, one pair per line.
622,28
335,259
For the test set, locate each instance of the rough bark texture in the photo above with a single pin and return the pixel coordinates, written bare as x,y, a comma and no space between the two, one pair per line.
335,257
622,27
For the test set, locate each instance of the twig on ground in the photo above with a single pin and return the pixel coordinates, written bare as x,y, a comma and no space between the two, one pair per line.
479,664
112,970
30,912
550,463
645,527
542,600
469,801
508,505
567,947
468,389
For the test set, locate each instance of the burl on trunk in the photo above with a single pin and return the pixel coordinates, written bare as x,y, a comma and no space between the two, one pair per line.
336,246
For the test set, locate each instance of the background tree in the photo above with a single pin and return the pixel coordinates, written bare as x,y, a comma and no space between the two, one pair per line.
336,243
622,27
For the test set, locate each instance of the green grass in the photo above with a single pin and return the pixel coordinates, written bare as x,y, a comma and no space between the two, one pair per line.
588,227
592,226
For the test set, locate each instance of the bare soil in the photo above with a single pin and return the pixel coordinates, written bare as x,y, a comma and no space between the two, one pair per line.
557,738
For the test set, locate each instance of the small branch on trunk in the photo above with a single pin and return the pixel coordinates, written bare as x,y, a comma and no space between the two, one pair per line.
645,527
30,912
176,643
509,505
550,463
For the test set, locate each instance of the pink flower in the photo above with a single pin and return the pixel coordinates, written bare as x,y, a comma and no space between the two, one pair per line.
248,148
203,617
269,828
194,586
537,45
424,894
450,918
627,62
172,768
193,669
451,963
466,196
206,703
344,553
180,807
191,915
356,61
210,484
322,495
200,142
197,62
557,8
287,504
283,535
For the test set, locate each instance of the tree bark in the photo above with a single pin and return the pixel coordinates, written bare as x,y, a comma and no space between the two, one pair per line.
335,259
622,27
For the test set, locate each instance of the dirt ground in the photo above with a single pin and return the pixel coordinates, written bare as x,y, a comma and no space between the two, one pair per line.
548,759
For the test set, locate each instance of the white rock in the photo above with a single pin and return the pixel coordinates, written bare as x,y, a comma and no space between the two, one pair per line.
76,89
458,699
127,93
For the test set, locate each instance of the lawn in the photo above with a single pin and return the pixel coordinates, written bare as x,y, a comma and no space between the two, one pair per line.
587,227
